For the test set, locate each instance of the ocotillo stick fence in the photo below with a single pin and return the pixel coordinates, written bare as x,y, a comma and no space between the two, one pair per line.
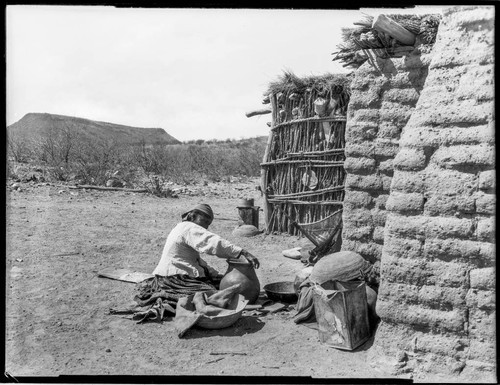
302,173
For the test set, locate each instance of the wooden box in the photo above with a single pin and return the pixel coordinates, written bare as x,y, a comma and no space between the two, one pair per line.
342,313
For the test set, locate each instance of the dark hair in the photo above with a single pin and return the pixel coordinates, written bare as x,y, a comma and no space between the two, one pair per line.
191,215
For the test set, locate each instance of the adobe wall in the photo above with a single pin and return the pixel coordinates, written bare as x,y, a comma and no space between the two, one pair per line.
437,292
382,100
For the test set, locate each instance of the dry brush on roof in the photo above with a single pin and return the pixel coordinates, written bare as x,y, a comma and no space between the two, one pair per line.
322,84
296,95
357,40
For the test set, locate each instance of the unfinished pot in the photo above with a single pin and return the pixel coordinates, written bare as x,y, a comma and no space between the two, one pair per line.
242,272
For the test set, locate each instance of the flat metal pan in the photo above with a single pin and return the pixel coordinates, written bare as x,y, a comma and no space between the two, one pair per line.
281,292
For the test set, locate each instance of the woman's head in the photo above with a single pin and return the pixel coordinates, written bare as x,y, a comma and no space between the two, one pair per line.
202,215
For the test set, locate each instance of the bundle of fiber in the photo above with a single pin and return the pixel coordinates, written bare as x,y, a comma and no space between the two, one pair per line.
289,84
428,28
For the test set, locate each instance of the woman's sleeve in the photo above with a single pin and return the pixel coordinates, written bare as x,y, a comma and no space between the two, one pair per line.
204,241
211,271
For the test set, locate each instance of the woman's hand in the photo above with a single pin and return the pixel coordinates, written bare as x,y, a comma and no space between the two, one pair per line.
250,258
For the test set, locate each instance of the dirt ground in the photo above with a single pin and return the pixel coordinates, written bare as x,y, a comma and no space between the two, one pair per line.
57,320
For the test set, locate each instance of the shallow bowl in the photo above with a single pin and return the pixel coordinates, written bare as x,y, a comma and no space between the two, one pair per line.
281,291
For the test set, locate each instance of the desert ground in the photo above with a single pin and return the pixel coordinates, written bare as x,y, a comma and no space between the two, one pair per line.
57,308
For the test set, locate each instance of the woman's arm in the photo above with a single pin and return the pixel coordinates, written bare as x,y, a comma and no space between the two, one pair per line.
207,242
250,258
204,241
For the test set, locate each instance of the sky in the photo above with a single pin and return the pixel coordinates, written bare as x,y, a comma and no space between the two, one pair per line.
193,72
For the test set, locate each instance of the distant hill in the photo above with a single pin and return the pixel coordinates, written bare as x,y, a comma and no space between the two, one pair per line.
37,125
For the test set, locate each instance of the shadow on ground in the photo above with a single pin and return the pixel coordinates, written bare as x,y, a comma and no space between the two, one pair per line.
245,325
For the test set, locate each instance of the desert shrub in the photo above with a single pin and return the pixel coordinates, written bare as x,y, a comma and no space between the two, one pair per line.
26,172
189,162
11,172
222,159
58,147
19,149
166,162
250,156
55,152
94,161
179,165
65,156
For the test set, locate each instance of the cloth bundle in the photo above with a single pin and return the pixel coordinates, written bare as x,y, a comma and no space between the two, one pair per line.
158,296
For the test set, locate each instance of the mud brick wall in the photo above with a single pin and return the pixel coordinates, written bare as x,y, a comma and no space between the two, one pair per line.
437,291
383,98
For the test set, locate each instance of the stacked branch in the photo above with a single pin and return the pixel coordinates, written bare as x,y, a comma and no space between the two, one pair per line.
384,36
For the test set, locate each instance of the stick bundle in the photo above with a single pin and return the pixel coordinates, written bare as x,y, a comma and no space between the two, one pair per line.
400,31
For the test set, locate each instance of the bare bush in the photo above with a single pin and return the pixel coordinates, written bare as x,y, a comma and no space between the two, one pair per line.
56,150
190,162
65,156
95,160
19,149
166,162
220,160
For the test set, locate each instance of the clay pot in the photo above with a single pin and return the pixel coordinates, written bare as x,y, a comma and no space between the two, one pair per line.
243,273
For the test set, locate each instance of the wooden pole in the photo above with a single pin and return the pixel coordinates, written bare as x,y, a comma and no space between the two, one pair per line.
91,187
263,111
384,24
267,209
